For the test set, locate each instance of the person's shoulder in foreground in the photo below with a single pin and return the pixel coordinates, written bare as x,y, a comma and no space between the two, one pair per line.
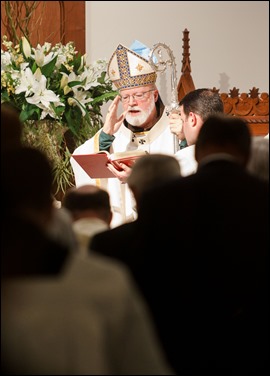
91,320
213,228
222,180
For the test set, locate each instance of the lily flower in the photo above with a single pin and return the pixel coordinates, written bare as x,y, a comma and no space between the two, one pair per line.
27,82
26,47
79,98
42,95
41,58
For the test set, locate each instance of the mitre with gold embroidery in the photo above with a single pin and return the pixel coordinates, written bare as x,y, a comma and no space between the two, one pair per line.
128,69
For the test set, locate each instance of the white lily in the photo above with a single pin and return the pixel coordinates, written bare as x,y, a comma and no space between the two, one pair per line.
26,47
23,66
83,62
66,79
27,82
21,76
49,110
52,99
81,97
64,84
90,79
41,58
61,59
5,59
42,95
91,73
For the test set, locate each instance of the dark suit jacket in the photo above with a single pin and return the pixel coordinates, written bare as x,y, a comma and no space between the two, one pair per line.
118,243
27,251
204,242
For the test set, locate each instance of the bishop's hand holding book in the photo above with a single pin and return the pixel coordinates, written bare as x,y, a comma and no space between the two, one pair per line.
95,165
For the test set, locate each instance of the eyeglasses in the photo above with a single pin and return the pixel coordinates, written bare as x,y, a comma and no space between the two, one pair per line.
139,97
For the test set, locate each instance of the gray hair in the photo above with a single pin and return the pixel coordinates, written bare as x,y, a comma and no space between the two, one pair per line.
151,170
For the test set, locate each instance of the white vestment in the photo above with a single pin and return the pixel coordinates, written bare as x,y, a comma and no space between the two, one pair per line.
187,161
158,140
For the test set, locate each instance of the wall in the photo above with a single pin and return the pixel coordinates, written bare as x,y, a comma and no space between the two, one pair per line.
229,40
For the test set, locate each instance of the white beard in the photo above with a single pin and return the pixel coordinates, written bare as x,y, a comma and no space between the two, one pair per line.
142,117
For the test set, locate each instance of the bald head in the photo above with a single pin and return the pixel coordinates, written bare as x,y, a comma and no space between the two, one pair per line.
88,201
151,170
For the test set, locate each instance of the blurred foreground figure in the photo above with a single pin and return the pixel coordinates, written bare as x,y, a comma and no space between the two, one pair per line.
208,288
11,129
62,314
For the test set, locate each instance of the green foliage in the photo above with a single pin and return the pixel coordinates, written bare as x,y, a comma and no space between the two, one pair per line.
58,96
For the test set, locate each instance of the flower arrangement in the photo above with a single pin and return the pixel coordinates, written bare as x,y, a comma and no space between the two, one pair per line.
57,94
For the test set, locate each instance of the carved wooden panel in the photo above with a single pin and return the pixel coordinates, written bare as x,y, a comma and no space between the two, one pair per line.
252,107
45,21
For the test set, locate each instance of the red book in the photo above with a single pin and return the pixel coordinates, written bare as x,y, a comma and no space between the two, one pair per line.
95,165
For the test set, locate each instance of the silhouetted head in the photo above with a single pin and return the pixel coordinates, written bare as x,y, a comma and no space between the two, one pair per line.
26,176
88,201
224,134
151,170
11,128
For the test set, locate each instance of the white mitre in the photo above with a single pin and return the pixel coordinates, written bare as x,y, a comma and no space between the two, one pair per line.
129,67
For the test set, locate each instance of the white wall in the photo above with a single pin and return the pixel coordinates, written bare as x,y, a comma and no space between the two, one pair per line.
229,40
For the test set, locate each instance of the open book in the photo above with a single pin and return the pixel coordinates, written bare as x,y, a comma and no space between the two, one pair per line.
95,165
